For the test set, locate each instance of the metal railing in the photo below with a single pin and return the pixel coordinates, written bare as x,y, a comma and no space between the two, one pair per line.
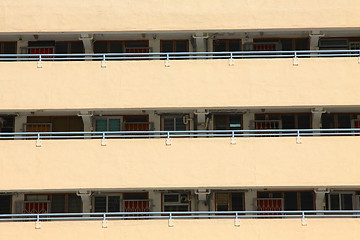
182,134
180,55
179,215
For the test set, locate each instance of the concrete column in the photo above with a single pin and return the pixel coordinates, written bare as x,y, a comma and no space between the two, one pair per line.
202,119
86,201
19,123
320,201
17,203
87,118
154,43
155,201
247,118
200,41
316,117
314,39
155,118
21,46
87,40
250,200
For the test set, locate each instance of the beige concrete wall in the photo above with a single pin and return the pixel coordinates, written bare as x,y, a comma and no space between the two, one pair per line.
185,84
250,229
156,15
187,163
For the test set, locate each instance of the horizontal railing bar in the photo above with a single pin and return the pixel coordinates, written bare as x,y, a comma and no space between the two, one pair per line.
179,55
179,134
180,215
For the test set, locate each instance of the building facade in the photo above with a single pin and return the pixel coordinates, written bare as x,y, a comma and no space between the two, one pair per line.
179,119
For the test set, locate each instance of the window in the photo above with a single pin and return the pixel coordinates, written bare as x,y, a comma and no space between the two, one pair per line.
69,47
340,201
41,47
174,123
108,124
228,122
141,46
65,203
340,120
108,203
54,123
288,201
136,202
227,45
282,121
176,202
286,44
8,48
174,45
231,201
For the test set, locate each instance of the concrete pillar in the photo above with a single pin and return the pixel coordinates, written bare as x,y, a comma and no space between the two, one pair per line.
155,118
21,46
86,200
247,118
155,201
17,203
203,120
19,123
314,39
154,44
320,201
200,41
250,200
316,117
87,40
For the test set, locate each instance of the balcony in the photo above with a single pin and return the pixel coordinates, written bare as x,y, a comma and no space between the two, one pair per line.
234,81
180,227
142,160
69,16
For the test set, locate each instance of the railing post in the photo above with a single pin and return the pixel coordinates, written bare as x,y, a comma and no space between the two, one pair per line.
38,140
171,221
104,222
231,60
103,140
303,219
37,223
232,140
39,63
103,62
295,59
298,137
237,220
168,139
167,61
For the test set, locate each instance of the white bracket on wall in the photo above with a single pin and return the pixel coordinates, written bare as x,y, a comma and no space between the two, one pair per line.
104,224
167,63
38,143
359,60
232,141
237,222
295,61
231,62
298,140
103,142
171,222
37,225
168,142
39,64
303,222
103,64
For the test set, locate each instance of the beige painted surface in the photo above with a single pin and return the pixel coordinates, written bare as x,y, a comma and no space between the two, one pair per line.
187,83
250,229
160,15
187,163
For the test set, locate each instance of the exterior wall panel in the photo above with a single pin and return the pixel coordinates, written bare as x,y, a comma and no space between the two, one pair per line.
155,15
187,163
185,84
